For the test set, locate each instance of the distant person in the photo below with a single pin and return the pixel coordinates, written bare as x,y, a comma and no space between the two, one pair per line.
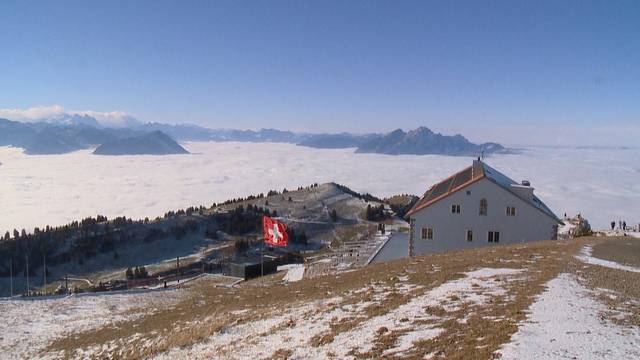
613,225
624,225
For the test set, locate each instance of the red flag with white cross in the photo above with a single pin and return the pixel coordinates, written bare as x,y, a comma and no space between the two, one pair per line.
275,232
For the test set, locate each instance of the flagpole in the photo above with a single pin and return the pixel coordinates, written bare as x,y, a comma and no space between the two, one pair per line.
262,255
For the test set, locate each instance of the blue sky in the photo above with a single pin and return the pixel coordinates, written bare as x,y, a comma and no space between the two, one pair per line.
492,70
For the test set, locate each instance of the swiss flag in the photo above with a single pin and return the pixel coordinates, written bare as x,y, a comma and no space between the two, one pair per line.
275,232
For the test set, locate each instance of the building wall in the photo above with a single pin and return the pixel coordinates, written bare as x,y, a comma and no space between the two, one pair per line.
450,230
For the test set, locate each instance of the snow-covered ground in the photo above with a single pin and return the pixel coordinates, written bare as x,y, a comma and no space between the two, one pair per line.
293,329
635,234
295,272
27,326
586,256
564,323
55,189
565,229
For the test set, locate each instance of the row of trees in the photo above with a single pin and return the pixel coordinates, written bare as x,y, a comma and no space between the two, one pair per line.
376,213
366,196
136,273
81,240
188,211
297,238
262,195
243,220
57,244
401,204
88,237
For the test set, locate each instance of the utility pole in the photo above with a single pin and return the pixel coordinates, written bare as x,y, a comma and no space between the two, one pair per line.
28,289
44,272
11,274
178,268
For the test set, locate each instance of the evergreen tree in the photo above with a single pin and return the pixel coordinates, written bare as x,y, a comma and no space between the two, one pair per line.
334,215
129,273
241,246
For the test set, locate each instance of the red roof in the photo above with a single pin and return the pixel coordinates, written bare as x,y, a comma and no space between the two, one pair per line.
450,185
479,170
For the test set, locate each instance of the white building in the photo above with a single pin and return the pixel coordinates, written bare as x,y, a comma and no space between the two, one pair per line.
478,206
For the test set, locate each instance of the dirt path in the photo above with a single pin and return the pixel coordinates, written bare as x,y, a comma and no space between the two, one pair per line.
458,305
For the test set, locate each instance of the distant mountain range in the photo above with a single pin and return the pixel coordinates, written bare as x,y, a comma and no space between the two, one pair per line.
75,132
153,143
57,138
337,141
422,141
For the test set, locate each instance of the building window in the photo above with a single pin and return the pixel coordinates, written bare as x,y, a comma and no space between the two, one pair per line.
455,209
427,233
511,211
469,235
483,207
493,236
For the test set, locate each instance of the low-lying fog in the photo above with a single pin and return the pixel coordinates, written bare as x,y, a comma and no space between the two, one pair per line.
55,189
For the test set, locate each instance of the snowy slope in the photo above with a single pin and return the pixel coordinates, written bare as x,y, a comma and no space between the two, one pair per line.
27,326
564,324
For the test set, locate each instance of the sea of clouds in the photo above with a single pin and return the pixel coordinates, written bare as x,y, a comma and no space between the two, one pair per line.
602,184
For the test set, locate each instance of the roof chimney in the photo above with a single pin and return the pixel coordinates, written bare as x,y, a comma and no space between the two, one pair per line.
525,190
